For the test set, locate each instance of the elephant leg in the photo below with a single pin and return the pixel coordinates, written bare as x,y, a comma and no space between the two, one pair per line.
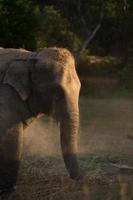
11,147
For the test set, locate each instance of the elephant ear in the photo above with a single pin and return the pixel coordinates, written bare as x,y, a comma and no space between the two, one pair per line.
17,75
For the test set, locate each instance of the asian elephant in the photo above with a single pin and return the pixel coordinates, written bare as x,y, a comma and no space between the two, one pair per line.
33,83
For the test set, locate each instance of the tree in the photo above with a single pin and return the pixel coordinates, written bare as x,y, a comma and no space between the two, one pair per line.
55,30
79,14
18,23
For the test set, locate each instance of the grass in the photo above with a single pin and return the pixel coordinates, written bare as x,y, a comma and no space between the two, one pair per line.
43,185
106,125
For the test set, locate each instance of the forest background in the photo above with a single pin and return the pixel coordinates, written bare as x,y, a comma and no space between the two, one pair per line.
99,33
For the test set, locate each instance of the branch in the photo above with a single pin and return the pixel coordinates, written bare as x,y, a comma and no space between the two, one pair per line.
90,34
86,42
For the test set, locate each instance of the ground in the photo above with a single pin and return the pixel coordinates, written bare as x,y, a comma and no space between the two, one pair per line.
106,138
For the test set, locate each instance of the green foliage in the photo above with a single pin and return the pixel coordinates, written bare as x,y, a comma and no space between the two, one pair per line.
18,23
63,24
98,66
115,35
55,30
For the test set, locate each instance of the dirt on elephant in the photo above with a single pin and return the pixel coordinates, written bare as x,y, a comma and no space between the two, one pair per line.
105,155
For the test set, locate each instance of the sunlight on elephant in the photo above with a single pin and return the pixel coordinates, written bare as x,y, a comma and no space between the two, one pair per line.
34,83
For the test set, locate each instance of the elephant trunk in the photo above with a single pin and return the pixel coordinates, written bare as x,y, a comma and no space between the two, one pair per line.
69,136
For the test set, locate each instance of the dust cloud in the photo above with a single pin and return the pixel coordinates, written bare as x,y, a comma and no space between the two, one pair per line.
42,138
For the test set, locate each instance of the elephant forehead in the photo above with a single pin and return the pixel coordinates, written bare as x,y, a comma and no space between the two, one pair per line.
47,74
50,68
58,63
49,65
56,69
54,52
59,55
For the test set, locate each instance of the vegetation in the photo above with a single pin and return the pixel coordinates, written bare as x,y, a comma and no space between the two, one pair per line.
18,24
100,28
100,35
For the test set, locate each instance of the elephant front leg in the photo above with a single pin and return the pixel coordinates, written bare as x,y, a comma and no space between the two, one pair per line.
11,147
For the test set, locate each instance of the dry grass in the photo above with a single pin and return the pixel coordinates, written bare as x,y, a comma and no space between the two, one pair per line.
106,135
106,126
40,186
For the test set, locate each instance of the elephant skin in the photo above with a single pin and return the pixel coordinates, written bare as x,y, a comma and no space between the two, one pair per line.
33,83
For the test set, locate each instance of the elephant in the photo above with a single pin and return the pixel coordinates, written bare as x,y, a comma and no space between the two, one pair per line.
34,83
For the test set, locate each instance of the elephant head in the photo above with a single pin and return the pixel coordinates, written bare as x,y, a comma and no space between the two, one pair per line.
48,83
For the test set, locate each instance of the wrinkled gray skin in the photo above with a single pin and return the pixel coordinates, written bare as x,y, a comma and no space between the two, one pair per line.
32,83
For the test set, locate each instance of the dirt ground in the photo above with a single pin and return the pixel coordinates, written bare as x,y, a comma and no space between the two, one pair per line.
106,138
107,126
